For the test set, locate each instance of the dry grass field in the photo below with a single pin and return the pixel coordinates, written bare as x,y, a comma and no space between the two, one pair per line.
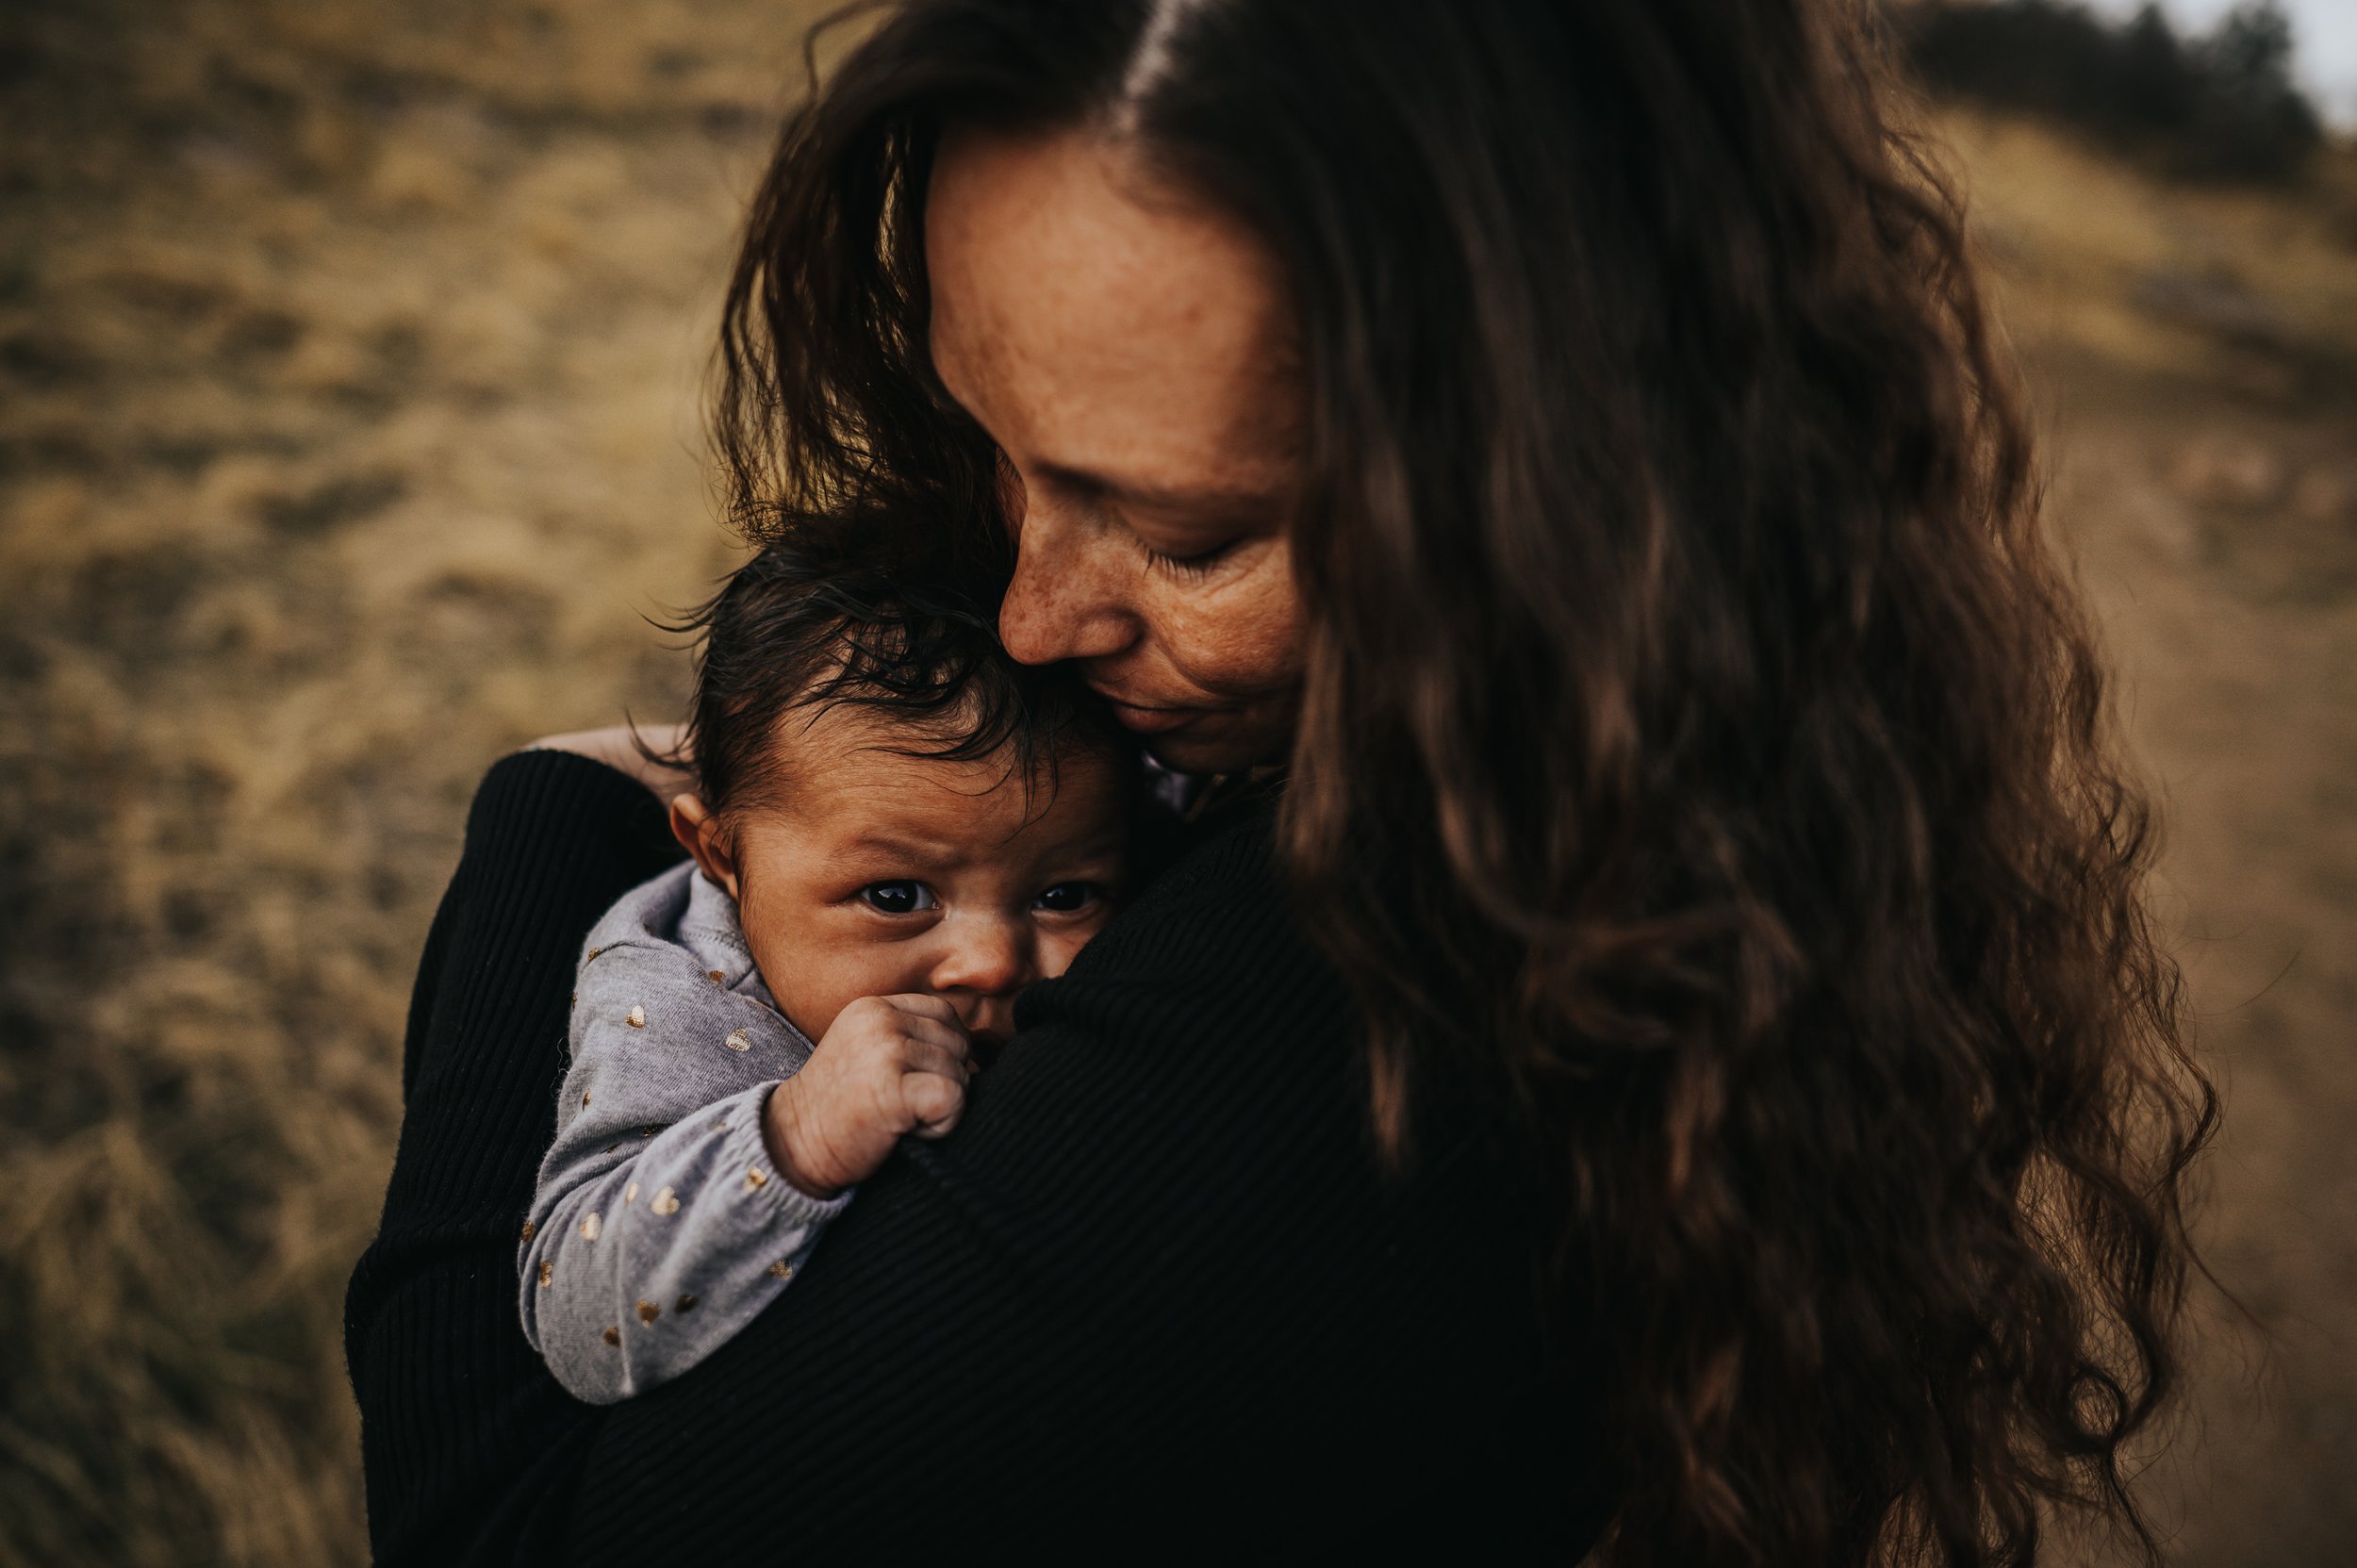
349,353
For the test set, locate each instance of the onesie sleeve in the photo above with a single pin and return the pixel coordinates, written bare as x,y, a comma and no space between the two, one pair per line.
659,1227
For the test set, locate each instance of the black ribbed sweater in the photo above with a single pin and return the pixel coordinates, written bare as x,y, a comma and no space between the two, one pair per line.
1154,1297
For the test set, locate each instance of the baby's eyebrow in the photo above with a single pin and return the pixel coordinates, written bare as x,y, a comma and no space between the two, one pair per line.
897,844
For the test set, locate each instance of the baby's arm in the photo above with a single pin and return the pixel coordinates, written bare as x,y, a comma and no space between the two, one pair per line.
660,1225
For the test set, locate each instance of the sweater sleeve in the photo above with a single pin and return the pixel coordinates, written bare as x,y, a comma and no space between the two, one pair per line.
469,1446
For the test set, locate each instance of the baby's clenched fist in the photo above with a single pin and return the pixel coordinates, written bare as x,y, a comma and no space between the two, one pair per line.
887,1065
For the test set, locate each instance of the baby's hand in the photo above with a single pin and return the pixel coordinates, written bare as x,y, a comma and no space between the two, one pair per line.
888,1066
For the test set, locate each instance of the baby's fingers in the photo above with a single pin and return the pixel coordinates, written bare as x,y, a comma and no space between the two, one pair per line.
933,1102
948,1058
930,1040
918,1009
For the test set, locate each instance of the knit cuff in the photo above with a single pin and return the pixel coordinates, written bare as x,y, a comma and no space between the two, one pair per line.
745,1154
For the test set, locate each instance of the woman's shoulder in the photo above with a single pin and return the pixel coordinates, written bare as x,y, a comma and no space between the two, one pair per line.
1217,856
1216,898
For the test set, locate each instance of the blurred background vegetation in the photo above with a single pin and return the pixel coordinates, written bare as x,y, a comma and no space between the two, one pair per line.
2222,106
349,359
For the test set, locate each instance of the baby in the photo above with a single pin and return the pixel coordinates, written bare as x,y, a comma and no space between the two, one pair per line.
898,829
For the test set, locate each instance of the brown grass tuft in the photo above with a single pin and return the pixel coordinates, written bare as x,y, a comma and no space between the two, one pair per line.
350,354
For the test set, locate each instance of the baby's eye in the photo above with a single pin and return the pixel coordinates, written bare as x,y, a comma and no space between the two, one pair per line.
899,898
1066,898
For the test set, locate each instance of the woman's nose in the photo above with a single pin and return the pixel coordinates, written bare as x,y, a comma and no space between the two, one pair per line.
1068,597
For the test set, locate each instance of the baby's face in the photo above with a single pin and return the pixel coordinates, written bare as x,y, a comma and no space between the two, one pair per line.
883,874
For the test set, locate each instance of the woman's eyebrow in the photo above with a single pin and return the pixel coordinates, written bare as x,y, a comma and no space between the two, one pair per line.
1188,498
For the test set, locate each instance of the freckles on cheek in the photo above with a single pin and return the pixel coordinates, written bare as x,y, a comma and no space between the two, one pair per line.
1244,642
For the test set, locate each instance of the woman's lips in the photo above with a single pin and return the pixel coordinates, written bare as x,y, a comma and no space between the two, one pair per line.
1149,721
1145,720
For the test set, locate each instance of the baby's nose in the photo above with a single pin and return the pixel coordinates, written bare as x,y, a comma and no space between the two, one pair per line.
990,958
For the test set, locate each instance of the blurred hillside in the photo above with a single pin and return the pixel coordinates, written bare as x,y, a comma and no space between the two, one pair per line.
349,354
2194,352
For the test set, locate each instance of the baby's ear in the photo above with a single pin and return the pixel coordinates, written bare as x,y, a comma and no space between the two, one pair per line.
699,833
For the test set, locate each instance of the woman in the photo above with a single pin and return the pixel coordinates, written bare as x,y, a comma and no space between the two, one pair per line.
1669,1051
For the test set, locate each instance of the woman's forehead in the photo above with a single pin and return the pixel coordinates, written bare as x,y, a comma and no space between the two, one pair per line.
1096,324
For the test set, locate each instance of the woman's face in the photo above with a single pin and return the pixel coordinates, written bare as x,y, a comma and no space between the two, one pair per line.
1133,356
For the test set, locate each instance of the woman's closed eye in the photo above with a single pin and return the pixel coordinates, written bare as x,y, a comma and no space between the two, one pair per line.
1068,897
899,897
1187,568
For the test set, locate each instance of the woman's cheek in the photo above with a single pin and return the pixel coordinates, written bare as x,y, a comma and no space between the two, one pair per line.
1246,639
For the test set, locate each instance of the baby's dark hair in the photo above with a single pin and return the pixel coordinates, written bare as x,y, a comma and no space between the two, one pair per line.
837,617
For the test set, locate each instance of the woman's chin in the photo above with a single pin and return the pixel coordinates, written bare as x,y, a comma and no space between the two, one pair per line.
1227,738
1212,748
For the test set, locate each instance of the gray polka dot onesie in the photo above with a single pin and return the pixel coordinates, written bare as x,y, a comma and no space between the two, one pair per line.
659,1227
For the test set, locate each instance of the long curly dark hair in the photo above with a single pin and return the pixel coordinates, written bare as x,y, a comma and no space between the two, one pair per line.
1703,759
